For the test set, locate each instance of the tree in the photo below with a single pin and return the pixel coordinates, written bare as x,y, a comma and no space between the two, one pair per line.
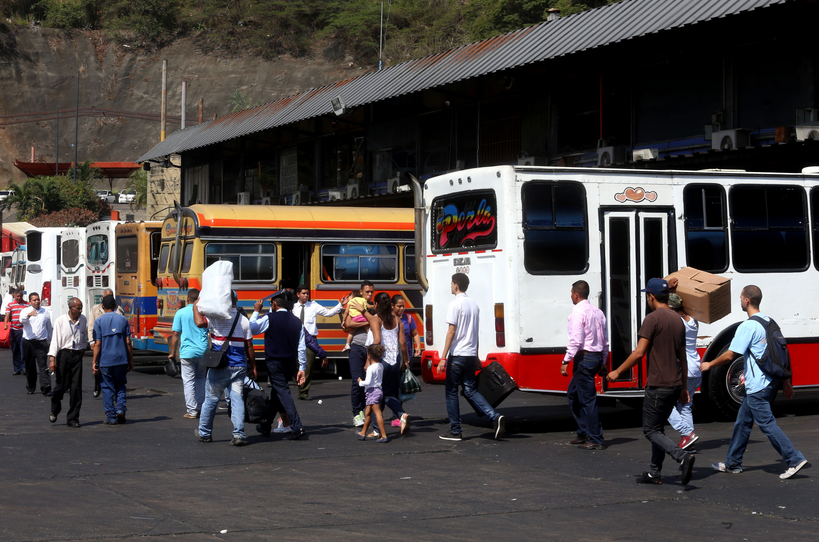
43,195
138,181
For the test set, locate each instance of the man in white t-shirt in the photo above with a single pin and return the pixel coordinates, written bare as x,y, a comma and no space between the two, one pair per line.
462,342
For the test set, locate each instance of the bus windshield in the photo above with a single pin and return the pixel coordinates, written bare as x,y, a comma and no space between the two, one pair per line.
34,244
467,220
127,255
71,253
97,249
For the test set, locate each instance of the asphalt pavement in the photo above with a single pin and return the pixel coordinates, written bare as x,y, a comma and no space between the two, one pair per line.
152,479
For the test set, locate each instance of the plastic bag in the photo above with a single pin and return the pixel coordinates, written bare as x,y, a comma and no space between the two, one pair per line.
409,384
217,281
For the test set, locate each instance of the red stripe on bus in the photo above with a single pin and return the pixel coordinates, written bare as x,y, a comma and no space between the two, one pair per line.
311,224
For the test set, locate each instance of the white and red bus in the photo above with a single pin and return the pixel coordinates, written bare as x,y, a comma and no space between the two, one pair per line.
523,235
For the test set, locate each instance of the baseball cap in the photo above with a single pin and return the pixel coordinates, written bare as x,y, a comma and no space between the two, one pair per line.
656,287
675,301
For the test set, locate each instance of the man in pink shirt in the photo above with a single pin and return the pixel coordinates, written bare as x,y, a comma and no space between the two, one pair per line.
589,348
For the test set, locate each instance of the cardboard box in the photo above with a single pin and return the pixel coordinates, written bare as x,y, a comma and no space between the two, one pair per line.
706,297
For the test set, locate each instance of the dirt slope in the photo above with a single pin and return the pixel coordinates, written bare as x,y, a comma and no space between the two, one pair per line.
39,73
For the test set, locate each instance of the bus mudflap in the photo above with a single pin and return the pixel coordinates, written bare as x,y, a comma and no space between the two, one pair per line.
495,384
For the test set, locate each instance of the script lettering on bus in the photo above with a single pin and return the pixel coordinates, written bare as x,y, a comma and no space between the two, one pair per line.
170,229
455,227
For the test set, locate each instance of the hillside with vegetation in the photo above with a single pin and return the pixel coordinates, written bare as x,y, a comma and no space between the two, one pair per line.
331,29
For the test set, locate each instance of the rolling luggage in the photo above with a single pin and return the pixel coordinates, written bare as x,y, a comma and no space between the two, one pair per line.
495,384
4,337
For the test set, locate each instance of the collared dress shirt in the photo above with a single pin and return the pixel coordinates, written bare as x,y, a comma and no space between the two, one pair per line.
312,310
587,331
259,324
37,327
69,335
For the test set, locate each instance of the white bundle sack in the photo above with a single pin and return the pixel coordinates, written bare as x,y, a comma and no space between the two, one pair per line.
217,282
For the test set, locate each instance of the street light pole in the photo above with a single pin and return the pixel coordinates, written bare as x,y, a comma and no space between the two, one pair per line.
77,125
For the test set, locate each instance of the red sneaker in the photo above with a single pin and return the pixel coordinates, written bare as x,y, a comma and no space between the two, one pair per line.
685,442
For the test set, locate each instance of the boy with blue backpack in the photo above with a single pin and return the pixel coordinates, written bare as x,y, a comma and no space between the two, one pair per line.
767,364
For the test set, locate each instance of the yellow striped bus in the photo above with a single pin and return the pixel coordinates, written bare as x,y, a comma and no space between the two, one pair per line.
137,258
332,249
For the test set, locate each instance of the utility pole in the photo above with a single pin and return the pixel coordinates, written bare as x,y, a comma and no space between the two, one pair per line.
164,99
184,101
200,110
77,125
381,36
57,153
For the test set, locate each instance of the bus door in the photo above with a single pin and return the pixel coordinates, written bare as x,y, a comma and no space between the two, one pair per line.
637,246
295,264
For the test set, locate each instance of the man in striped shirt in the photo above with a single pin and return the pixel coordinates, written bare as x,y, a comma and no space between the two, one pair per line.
229,379
16,335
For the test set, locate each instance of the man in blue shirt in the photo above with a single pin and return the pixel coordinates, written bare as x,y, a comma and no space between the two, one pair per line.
113,359
760,391
192,342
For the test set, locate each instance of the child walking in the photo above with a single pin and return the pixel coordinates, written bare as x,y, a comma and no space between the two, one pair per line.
373,394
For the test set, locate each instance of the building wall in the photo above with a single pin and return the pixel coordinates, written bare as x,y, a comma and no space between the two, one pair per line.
164,187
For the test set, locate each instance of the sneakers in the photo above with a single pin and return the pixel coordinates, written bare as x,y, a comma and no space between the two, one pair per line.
236,441
358,419
281,428
404,423
687,468
396,423
200,437
722,467
451,436
52,418
500,426
792,470
685,442
190,416
648,478
346,347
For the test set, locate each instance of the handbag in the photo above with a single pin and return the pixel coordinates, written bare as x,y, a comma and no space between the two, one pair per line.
256,402
409,384
217,359
173,367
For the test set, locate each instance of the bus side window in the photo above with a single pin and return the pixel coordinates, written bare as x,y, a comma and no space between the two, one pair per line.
706,227
770,228
814,209
354,263
555,240
409,264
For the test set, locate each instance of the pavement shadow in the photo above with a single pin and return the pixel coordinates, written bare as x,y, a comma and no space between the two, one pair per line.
619,441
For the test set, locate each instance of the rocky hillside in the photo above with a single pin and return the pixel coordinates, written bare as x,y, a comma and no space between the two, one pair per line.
38,72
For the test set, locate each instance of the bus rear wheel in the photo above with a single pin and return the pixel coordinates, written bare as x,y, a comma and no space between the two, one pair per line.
726,387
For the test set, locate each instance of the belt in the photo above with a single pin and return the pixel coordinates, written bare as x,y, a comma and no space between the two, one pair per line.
589,352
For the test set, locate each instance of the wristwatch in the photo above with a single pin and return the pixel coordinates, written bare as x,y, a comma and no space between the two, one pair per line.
565,362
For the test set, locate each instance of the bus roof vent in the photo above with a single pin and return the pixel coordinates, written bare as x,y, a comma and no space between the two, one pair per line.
812,170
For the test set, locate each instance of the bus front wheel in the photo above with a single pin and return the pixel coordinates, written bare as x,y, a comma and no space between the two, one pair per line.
726,387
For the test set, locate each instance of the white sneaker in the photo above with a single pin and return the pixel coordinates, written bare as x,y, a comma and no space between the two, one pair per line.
282,428
358,419
792,470
346,347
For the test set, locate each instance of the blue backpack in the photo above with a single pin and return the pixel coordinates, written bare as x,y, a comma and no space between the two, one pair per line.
776,360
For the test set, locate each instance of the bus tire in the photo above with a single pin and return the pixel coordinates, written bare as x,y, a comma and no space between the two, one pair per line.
726,387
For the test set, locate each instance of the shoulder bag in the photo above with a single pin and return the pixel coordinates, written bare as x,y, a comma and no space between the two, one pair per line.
217,359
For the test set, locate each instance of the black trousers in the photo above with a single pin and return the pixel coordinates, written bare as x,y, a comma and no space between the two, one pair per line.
68,379
657,406
280,371
35,353
304,389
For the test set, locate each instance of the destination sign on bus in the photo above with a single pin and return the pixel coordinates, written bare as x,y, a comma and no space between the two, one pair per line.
467,220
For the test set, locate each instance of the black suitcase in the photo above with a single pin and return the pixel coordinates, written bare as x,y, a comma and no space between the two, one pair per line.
495,384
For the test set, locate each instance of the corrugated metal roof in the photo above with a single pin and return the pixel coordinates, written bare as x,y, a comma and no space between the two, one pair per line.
587,30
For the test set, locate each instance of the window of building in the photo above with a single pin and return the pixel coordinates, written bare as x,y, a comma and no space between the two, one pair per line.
252,262
464,221
354,263
706,227
555,240
770,228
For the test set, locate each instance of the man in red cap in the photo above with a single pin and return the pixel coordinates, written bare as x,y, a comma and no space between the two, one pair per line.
662,341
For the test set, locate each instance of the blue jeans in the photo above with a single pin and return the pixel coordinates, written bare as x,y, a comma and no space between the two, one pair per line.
228,380
357,359
113,383
460,371
16,340
391,384
756,407
583,395
681,417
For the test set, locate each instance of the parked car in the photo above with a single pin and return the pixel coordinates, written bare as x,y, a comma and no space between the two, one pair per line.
106,195
5,193
127,196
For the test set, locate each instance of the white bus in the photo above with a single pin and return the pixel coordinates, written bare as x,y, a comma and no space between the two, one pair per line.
42,273
99,260
17,273
523,235
72,265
